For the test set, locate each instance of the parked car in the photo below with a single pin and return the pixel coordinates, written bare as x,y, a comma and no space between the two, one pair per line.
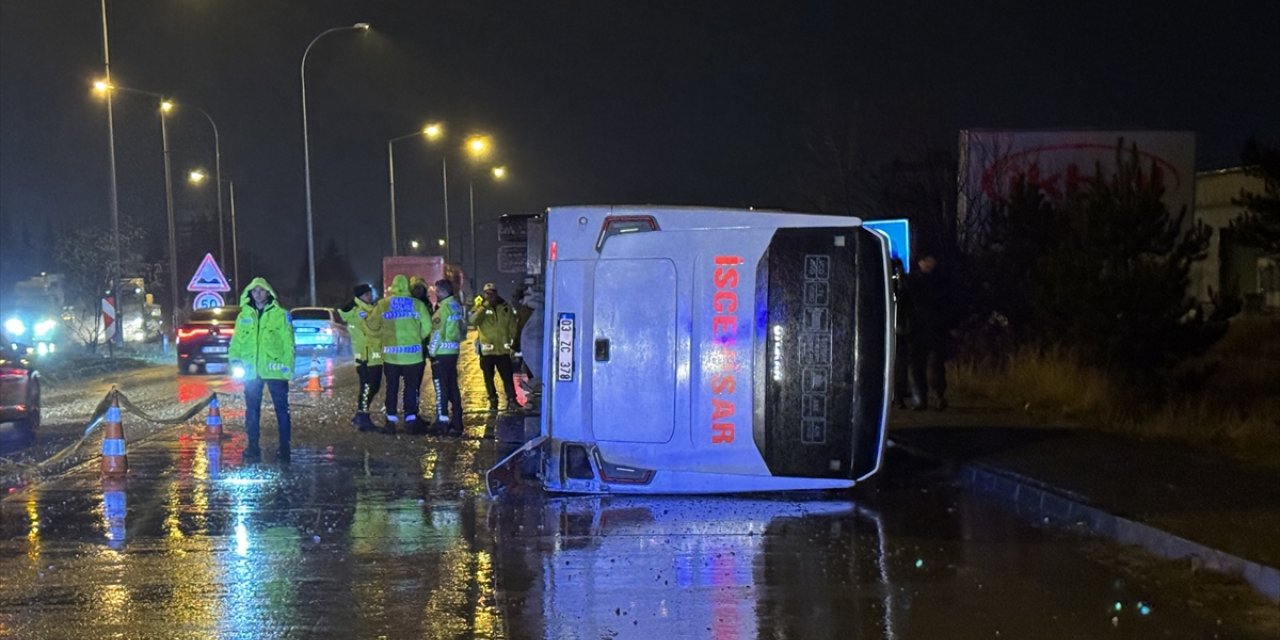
320,328
19,387
204,338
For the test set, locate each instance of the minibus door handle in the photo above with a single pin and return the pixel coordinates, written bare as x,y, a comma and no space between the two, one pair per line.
602,349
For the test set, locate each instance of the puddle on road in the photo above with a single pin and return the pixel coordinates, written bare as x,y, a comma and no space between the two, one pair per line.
366,535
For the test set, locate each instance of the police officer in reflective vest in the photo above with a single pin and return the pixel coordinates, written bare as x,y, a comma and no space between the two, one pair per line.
261,352
401,324
448,329
367,349
495,323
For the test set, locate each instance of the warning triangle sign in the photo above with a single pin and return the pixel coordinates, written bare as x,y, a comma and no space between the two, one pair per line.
208,277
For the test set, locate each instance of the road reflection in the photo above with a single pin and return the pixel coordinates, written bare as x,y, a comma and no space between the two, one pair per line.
689,567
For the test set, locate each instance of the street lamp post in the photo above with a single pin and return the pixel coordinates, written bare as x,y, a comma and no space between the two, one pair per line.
217,176
478,147
197,177
499,173
306,155
235,250
116,267
431,131
165,107
107,88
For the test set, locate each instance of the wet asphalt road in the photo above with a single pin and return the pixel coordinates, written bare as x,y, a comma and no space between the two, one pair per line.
370,536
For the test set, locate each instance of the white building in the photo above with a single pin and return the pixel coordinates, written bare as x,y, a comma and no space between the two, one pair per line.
1232,266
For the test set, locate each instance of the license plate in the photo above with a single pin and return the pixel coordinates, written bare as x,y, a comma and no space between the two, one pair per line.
215,367
564,347
306,330
214,350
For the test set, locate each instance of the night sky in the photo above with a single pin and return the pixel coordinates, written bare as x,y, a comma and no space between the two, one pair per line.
707,103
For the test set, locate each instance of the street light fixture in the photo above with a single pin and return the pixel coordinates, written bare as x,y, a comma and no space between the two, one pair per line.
116,267
166,106
105,87
478,146
198,177
431,132
306,154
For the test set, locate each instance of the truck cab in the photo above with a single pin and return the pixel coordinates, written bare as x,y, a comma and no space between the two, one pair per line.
694,350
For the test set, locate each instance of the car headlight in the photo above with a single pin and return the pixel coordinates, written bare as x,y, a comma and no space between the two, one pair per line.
15,327
237,373
44,328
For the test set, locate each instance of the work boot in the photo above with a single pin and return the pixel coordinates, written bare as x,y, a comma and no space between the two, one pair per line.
390,428
252,453
440,427
363,422
283,455
493,405
414,427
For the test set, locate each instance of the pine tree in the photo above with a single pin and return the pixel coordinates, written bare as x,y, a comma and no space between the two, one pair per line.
1260,225
1105,271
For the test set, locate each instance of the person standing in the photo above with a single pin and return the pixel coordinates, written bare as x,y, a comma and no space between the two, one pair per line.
448,329
400,322
932,319
902,336
261,353
495,323
418,289
367,349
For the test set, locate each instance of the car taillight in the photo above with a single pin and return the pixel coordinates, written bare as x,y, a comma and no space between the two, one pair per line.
183,334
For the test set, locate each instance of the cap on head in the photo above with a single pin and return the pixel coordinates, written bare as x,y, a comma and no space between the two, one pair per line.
489,286
362,289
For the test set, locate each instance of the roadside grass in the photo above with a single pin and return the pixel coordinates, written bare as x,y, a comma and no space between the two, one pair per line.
1228,399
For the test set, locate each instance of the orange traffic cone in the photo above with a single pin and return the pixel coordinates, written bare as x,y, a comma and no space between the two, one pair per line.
313,378
213,422
114,461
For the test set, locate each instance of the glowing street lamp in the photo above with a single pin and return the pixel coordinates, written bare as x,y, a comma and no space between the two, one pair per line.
306,153
431,131
499,173
478,146
198,177
167,105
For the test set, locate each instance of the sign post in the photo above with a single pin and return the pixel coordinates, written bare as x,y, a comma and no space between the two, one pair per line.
108,316
208,282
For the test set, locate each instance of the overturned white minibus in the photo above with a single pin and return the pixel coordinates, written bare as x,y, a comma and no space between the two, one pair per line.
692,350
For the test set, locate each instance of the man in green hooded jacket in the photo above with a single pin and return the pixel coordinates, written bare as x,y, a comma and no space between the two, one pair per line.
367,349
448,330
261,353
401,324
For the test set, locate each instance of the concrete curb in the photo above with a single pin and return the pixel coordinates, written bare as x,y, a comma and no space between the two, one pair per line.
1030,497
